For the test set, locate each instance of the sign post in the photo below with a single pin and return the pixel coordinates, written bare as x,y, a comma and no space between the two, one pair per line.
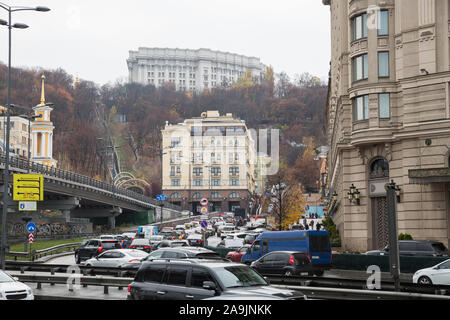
394,258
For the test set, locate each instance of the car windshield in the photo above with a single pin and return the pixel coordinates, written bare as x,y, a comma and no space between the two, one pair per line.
110,245
156,238
240,276
5,278
439,247
140,241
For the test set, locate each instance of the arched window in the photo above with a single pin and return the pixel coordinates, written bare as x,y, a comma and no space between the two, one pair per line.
175,195
379,168
234,195
197,195
215,195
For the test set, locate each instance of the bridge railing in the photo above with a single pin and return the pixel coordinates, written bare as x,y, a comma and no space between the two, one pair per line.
21,163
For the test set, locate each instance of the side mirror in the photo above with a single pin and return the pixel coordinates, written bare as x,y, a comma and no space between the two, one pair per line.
267,279
16,279
209,285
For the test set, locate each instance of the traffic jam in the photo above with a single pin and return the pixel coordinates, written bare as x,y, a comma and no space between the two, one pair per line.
183,261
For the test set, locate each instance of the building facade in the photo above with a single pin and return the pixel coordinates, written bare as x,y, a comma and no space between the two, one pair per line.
389,118
18,135
191,70
212,156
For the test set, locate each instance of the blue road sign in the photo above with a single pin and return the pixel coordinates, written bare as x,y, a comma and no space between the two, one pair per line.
161,197
31,227
204,224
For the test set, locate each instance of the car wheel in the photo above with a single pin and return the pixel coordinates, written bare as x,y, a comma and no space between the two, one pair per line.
424,280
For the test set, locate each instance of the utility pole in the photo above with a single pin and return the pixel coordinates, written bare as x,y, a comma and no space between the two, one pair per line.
394,258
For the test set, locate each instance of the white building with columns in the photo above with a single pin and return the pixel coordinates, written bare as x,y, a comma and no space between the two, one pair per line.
42,133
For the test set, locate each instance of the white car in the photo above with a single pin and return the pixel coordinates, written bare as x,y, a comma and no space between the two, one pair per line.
116,257
439,274
108,237
12,289
180,227
185,213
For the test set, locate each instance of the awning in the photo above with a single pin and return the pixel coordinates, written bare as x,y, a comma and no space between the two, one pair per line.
426,176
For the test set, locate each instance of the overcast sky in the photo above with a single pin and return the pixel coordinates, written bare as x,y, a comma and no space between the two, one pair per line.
92,38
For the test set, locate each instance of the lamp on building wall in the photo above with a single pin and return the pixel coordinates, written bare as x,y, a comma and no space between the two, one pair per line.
397,191
354,195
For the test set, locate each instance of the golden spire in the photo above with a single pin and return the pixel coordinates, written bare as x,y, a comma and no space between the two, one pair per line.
43,90
77,82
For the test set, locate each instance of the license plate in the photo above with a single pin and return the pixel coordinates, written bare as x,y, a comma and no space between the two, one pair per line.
315,257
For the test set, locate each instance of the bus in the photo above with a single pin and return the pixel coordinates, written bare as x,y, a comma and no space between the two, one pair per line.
315,244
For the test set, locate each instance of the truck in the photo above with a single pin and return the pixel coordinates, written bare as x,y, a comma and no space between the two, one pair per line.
147,231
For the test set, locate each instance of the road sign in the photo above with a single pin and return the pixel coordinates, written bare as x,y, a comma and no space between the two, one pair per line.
28,206
161,197
204,224
31,227
28,187
204,210
30,238
204,202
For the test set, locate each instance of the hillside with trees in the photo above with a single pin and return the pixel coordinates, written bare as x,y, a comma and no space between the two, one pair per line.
134,114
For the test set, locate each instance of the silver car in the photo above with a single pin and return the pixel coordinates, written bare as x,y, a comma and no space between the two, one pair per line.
116,258
12,289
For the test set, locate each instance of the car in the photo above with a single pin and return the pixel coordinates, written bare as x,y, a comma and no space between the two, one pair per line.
438,274
180,227
250,237
236,256
178,253
93,247
315,244
286,263
186,213
141,244
195,240
116,258
197,279
169,235
234,240
416,248
224,230
166,229
129,235
12,289
108,237
172,244
155,240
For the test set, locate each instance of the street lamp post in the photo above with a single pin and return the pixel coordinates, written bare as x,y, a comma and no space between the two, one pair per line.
10,26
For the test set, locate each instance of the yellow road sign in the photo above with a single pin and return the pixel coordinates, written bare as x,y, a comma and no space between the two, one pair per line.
28,187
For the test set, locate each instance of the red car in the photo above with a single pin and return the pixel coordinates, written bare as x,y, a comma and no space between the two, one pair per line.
236,256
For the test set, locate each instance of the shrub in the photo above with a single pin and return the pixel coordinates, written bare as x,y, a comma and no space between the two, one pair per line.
405,236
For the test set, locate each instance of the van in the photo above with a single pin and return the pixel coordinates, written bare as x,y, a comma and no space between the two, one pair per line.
147,231
315,244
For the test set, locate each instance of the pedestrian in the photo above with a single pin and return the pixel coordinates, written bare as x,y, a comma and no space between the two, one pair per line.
306,227
311,224
126,243
318,226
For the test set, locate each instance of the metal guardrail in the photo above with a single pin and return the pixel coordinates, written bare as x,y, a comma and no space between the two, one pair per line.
44,252
352,294
23,164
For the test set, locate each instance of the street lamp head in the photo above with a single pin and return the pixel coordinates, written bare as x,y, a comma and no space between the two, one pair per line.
19,26
3,22
42,9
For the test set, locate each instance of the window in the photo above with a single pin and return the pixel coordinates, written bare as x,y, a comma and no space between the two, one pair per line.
215,171
199,276
197,171
384,105
197,196
216,195
215,182
175,182
234,171
154,274
359,27
383,64
361,108
360,67
177,277
175,195
234,182
234,195
383,22
198,182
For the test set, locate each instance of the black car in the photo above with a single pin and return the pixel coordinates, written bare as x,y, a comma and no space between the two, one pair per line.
194,279
178,253
141,244
286,263
416,248
93,247
171,244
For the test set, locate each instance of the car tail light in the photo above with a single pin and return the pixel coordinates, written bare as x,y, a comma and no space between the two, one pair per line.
132,247
147,247
129,288
309,258
100,250
134,260
291,260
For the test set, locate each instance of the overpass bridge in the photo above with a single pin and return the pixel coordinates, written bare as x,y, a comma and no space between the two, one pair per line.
79,196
